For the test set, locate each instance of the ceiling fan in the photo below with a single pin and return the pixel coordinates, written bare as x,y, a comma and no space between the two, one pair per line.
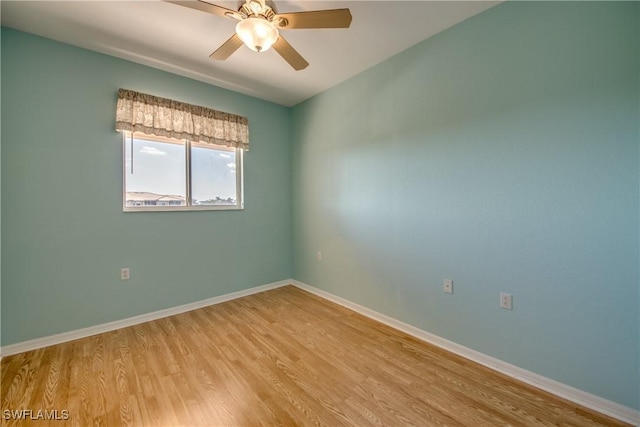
259,24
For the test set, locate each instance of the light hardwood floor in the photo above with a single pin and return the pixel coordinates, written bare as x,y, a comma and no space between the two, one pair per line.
282,357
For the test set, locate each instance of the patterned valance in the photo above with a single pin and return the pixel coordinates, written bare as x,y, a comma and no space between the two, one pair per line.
140,112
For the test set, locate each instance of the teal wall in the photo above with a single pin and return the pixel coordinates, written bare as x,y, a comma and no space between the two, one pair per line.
64,235
502,153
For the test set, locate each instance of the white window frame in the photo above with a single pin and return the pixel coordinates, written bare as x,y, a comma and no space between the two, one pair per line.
189,207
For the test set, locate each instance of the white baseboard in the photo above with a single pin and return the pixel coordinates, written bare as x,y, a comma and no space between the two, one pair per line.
604,406
580,397
37,343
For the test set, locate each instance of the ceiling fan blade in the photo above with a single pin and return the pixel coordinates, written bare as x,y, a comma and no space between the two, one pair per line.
333,18
290,54
227,48
205,7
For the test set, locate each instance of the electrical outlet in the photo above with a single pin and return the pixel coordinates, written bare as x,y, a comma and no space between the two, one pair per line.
319,256
447,286
125,274
505,301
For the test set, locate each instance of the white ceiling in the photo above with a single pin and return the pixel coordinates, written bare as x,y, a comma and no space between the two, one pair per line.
179,39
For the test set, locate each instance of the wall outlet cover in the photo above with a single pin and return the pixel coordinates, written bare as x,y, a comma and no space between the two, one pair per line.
506,301
447,286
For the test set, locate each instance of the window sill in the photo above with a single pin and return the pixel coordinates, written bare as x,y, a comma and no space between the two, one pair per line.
183,208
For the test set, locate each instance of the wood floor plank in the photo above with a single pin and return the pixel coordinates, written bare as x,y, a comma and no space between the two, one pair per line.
279,358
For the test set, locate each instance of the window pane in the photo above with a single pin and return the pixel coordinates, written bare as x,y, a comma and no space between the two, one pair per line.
213,176
155,173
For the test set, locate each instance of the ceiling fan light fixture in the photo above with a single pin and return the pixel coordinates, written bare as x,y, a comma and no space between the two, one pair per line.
259,23
257,33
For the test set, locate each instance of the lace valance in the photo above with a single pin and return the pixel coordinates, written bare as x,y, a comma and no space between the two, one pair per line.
140,112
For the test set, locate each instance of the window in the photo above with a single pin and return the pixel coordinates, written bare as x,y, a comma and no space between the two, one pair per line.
179,156
165,174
